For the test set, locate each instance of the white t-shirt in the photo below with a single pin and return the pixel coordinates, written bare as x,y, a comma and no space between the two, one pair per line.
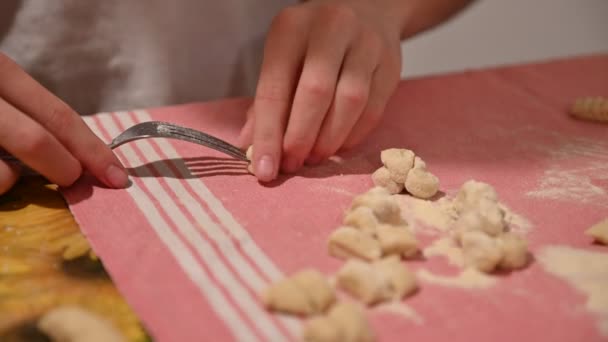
116,54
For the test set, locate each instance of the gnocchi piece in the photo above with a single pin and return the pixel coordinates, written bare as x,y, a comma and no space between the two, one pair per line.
385,207
348,242
398,162
421,183
403,281
514,251
249,155
304,293
352,322
471,194
396,240
382,177
75,324
591,108
599,232
480,251
364,282
488,217
320,293
362,218
419,163
287,297
322,329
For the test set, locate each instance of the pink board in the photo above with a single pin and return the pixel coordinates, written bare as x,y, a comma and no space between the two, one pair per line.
191,249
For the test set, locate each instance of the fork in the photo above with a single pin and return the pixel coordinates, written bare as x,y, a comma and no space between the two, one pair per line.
159,129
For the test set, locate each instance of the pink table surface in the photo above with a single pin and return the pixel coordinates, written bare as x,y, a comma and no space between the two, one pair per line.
190,249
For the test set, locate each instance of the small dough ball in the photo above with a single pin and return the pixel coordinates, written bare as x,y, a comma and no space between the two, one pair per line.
287,297
322,329
348,242
351,320
397,240
480,251
472,193
385,207
419,163
488,217
599,232
318,290
382,177
398,162
421,183
75,324
514,251
403,281
362,218
364,282
249,155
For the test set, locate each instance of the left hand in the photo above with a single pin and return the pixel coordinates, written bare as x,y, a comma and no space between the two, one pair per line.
329,68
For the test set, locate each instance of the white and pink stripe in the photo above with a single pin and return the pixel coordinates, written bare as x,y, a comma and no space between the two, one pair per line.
181,211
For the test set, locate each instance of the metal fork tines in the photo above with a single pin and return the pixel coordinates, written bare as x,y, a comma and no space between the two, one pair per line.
158,129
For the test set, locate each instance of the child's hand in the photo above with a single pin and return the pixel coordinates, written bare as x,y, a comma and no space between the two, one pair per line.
47,135
329,68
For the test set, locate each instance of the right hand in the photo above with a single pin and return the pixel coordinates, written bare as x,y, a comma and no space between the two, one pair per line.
47,135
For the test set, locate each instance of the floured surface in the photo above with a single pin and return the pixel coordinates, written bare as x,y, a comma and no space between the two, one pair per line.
216,237
586,271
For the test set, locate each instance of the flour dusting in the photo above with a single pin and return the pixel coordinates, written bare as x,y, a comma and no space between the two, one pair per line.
400,309
577,171
446,247
586,271
468,279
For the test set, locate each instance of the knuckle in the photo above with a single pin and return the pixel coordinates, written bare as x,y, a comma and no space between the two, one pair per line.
355,96
318,89
34,141
59,118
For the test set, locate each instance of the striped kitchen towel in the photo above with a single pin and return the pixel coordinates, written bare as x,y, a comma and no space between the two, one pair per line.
195,238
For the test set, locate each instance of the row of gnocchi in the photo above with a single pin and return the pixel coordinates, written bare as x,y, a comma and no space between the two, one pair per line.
373,240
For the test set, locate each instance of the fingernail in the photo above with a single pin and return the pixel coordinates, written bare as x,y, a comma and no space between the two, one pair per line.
265,168
291,164
116,176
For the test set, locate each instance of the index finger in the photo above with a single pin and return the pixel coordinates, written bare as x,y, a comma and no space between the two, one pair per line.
279,74
23,92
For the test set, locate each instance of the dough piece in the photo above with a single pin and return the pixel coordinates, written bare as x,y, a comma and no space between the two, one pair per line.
487,217
322,329
471,194
514,251
287,297
362,218
599,232
349,242
480,251
385,207
75,324
403,281
249,155
382,177
364,281
419,163
352,322
421,183
591,108
396,240
320,294
398,162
